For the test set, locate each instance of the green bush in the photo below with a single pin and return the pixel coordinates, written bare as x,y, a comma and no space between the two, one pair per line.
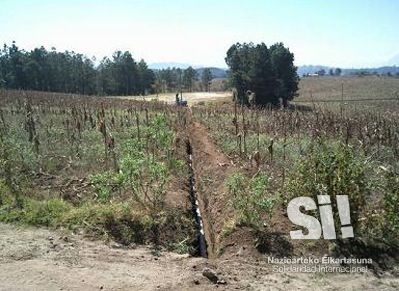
391,207
251,199
331,169
46,213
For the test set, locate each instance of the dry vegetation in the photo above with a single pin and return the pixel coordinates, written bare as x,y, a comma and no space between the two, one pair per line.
362,87
117,168
341,149
113,168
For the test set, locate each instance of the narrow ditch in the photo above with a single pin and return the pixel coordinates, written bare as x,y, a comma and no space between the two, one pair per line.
201,244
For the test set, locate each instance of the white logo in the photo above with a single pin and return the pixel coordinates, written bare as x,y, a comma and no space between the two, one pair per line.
315,229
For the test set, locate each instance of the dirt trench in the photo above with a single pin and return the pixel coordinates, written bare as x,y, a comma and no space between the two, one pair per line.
211,169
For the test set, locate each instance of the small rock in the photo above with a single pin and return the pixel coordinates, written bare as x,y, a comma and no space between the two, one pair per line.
50,238
240,252
116,246
210,274
221,282
196,282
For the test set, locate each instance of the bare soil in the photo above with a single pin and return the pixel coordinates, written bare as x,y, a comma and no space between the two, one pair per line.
191,98
41,259
211,168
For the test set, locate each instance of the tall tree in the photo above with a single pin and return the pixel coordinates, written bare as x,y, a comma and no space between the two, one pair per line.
189,77
238,59
269,73
261,75
206,79
282,61
338,72
146,76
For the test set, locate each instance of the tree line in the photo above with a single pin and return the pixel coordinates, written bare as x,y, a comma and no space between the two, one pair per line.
262,75
177,79
267,73
70,72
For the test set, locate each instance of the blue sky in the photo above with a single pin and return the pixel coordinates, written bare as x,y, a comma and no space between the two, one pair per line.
337,33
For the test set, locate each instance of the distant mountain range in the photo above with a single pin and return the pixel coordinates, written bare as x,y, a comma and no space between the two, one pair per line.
310,69
165,65
216,72
302,70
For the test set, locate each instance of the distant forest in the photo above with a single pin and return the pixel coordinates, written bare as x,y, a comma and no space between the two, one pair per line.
71,72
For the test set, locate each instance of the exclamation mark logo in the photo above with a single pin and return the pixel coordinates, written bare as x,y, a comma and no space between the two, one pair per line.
344,216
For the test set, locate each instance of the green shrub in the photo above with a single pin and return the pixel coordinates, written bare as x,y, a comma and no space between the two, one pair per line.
251,198
46,213
104,183
391,207
331,169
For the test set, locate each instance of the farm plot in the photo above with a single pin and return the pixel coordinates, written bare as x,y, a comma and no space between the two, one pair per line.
111,168
118,168
329,88
276,155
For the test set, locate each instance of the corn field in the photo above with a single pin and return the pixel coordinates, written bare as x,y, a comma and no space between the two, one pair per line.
309,151
103,164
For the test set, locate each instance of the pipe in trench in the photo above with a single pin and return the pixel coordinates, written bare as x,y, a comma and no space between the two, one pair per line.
202,246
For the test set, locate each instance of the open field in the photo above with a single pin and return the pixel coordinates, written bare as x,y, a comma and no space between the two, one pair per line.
311,89
192,98
330,88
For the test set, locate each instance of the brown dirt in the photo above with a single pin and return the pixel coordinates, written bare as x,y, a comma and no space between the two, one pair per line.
211,168
40,259
191,98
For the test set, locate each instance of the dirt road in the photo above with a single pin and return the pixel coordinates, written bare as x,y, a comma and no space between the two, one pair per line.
41,259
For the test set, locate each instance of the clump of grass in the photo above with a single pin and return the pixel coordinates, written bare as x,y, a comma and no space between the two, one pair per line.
119,221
